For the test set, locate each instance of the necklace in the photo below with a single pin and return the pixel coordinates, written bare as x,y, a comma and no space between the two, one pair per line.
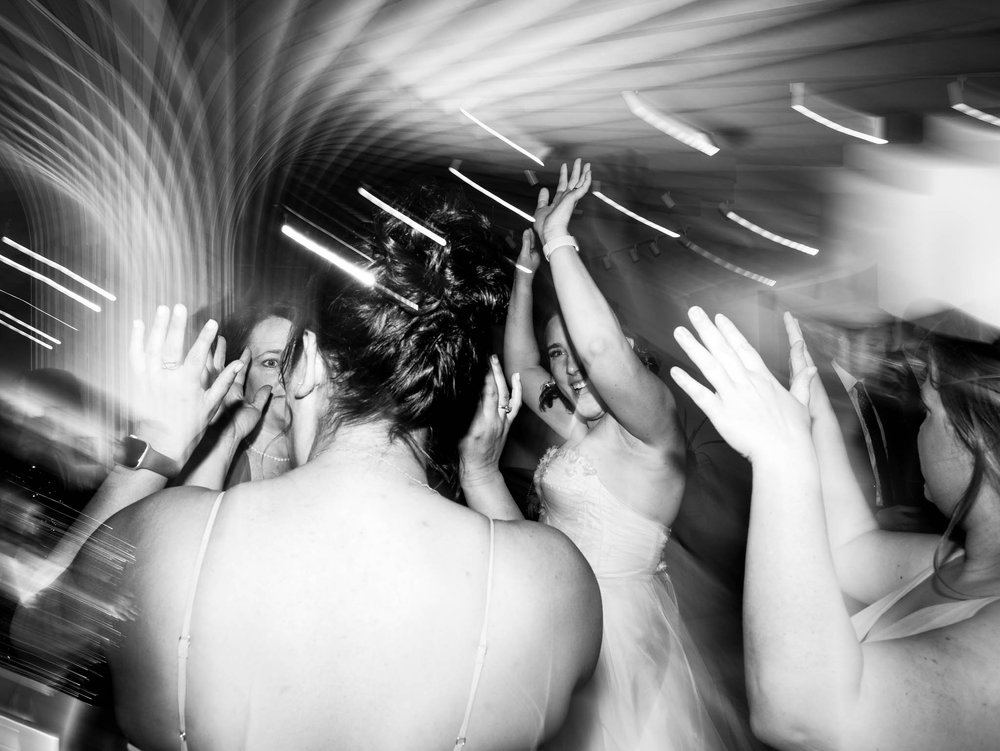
405,474
264,455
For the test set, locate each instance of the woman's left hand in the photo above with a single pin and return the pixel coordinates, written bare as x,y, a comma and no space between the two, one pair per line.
750,409
483,443
552,219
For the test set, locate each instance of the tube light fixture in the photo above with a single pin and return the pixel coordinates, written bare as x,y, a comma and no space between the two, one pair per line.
29,327
817,108
502,137
726,264
362,275
72,275
55,285
25,335
734,217
627,212
454,170
673,127
365,193
973,101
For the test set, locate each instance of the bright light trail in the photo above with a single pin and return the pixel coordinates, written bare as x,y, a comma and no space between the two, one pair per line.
647,222
402,217
63,269
502,137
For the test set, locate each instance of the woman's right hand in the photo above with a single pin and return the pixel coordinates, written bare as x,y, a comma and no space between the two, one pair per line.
483,443
552,219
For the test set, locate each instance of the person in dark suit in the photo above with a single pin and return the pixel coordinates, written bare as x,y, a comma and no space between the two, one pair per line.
876,399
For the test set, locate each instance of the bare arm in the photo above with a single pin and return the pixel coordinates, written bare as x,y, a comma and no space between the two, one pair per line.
173,408
639,401
803,661
869,561
520,348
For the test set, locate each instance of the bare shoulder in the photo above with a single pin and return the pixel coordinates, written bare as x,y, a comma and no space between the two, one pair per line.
167,507
558,572
934,690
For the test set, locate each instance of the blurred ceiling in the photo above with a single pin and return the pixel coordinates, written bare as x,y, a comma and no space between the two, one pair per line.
269,103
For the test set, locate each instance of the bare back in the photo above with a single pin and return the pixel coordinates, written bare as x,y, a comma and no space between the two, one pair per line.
350,620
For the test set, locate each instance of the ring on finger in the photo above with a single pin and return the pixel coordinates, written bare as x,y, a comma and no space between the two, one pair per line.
169,365
505,408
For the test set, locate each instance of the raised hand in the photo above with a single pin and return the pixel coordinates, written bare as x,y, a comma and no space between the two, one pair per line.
552,219
174,395
529,259
750,409
483,443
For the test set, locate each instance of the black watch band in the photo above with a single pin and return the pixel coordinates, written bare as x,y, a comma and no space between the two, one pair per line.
135,453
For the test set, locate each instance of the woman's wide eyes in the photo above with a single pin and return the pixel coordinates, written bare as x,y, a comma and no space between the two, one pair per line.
270,363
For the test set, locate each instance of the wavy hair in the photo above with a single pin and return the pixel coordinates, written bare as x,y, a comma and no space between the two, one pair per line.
966,375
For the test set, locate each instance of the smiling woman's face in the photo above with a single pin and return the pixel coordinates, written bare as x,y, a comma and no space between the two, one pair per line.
568,374
267,342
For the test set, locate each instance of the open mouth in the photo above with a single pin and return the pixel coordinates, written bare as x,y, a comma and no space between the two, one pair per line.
579,387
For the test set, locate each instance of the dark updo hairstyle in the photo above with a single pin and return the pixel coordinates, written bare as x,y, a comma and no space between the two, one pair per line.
966,375
417,369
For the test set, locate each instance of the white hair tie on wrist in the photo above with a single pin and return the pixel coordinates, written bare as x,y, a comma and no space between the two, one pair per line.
559,242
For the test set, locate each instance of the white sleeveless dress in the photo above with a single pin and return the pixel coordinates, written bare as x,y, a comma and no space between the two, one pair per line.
648,689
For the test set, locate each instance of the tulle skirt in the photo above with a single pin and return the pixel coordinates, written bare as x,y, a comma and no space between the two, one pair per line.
651,691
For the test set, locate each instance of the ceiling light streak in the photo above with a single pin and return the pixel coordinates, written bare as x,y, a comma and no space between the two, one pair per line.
672,127
627,212
402,217
958,96
39,310
362,275
29,327
26,335
55,285
502,137
481,189
726,264
58,267
328,233
798,104
734,217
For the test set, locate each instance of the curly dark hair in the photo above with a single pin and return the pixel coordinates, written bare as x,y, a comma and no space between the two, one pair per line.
418,369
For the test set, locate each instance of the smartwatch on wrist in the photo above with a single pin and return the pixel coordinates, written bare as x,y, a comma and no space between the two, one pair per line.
135,453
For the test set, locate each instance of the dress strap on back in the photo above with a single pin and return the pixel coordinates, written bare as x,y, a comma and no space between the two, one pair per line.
185,639
481,651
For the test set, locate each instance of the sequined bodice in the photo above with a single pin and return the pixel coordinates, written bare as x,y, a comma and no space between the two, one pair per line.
616,540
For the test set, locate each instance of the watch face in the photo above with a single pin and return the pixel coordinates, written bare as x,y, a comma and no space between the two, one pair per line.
130,451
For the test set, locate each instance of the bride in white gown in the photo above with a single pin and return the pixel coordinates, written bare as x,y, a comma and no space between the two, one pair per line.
614,487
